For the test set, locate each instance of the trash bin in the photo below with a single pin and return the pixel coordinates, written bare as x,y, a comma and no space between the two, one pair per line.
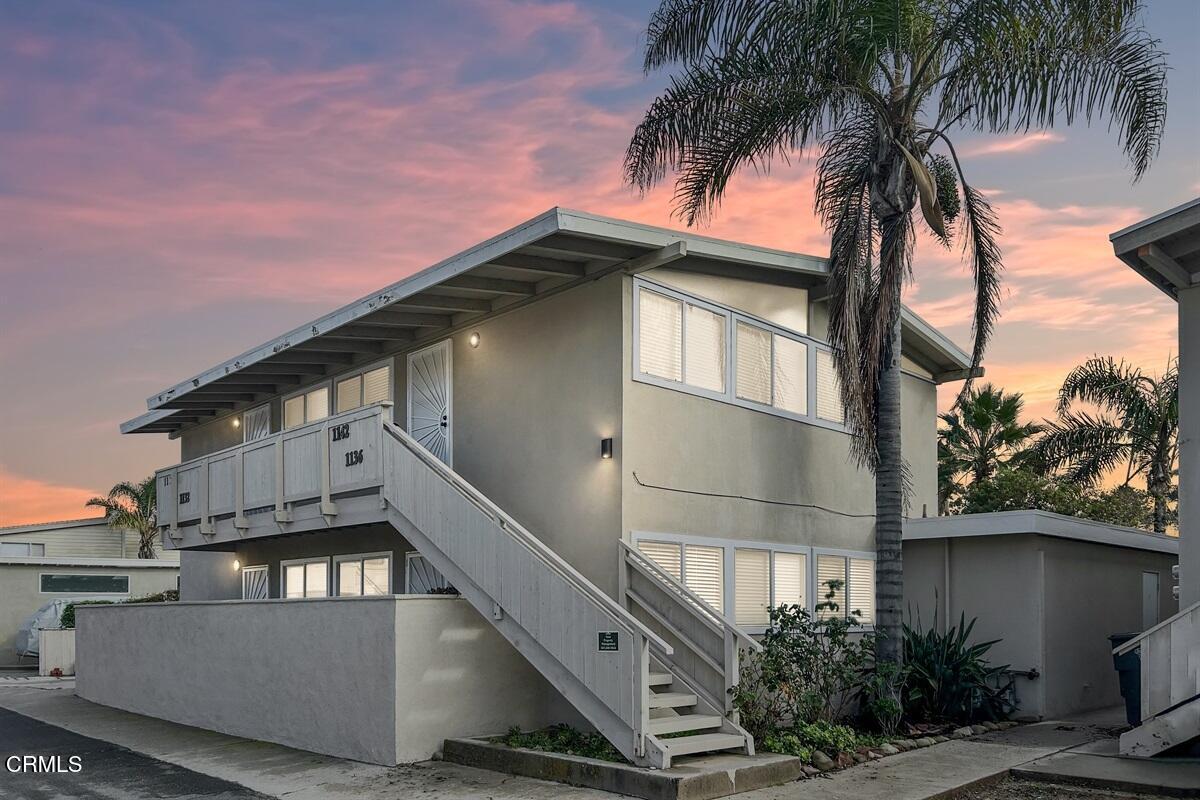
1129,673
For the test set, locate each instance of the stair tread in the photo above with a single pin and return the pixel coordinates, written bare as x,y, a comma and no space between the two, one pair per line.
683,722
701,743
661,678
671,699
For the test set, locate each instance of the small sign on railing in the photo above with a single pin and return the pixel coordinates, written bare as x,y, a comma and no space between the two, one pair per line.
607,642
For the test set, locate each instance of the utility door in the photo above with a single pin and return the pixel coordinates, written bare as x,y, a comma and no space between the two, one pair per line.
430,400
1149,600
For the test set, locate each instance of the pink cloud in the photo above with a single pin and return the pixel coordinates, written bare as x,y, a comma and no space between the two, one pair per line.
1007,145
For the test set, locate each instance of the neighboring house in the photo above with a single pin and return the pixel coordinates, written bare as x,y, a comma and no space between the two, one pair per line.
1050,588
75,558
621,444
1165,249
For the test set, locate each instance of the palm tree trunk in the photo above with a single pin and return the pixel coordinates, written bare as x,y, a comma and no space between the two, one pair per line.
889,508
146,546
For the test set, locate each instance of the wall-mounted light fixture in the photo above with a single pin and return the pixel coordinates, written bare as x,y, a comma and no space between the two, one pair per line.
606,448
237,422
237,565
473,339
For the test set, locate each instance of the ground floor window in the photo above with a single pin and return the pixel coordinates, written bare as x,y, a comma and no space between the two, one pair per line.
369,574
743,580
254,583
83,584
305,578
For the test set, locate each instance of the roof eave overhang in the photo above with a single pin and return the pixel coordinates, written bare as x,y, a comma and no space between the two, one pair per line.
1139,246
934,350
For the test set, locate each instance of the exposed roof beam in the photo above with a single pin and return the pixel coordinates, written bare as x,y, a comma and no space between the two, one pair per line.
592,248
439,302
539,266
188,404
494,285
244,391
288,375
377,333
657,258
336,344
404,319
298,358
958,375
1164,265
192,416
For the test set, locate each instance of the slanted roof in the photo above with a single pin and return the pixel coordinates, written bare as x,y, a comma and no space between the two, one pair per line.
1165,248
547,254
1042,523
42,527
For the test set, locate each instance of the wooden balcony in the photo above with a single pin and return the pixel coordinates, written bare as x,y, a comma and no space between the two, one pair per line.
325,474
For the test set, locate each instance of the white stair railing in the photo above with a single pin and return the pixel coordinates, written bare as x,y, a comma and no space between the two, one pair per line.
588,646
1170,669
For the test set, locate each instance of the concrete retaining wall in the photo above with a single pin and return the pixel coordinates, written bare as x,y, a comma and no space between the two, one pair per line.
377,679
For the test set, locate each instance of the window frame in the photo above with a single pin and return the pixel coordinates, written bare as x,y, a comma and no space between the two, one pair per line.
325,383
730,548
28,549
43,575
294,562
336,578
732,317
360,372
848,555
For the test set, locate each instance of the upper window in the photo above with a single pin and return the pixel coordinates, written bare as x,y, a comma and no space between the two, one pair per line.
84,584
364,575
22,549
693,345
363,389
305,578
308,406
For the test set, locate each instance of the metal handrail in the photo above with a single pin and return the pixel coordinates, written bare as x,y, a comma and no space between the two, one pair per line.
531,542
713,616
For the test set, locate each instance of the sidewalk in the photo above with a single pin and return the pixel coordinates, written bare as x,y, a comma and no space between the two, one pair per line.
276,771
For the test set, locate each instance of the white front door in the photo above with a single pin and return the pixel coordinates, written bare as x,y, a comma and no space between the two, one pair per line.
430,399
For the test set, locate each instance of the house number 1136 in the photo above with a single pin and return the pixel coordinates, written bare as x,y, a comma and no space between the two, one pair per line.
354,457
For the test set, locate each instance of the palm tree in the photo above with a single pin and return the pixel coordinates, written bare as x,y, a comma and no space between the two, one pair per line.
981,433
1136,425
877,88
132,506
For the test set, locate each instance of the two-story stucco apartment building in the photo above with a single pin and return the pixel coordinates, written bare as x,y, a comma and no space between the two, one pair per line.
621,444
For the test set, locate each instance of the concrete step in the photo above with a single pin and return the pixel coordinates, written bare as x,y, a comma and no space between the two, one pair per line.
1175,727
701,743
661,679
684,722
672,699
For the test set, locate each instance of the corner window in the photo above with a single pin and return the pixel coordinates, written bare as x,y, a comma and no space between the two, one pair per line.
857,590
364,575
306,407
22,549
309,578
54,583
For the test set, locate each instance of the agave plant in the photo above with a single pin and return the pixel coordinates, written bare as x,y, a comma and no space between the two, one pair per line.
948,678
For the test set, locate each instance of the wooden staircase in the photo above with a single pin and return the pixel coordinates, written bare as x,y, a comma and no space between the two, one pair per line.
652,703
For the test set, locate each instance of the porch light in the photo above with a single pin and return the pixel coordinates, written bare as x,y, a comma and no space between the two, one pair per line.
237,422
606,448
237,565
473,339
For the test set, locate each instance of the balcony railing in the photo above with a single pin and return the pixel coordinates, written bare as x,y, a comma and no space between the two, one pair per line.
264,481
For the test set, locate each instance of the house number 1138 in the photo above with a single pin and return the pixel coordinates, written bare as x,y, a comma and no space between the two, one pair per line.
354,457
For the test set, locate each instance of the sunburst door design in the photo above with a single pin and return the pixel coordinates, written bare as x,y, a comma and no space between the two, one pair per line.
429,399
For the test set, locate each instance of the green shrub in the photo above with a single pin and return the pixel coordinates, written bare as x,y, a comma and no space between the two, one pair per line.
67,618
947,679
563,739
881,698
802,740
166,596
808,670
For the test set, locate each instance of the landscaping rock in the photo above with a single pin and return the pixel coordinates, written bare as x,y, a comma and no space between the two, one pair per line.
859,758
888,749
924,741
978,729
873,755
1008,723
991,726
822,762
962,733
810,771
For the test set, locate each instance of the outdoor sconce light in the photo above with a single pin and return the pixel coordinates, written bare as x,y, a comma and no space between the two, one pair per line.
237,422
606,448
237,565
473,339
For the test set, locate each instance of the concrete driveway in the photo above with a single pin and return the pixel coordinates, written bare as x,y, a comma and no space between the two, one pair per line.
81,767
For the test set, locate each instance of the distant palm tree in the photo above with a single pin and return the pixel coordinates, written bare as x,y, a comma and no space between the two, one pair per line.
1137,425
981,433
875,87
133,506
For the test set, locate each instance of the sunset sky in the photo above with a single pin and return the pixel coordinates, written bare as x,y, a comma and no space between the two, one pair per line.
180,181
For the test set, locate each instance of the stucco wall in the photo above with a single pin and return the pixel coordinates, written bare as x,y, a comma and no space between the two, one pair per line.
1189,446
208,575
380,679
20,593
1051,602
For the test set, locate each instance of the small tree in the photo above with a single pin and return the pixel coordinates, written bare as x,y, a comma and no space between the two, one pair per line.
133,506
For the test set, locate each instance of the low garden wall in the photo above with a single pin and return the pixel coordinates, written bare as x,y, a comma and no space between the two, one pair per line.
378,679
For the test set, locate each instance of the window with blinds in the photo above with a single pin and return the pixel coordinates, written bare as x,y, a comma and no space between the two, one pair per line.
309,406
790,579
669,557
831,568
256,423
753,363
705,349
704,573
660,335
791,375
305,578
349,393
752,586
861,586
363,389
829,394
